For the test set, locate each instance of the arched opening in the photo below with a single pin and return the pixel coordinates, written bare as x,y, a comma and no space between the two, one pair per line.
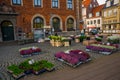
38,23
70,24
56,24
7,31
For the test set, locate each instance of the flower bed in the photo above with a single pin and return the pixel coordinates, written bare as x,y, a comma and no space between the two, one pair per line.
103,49
29,51
73,57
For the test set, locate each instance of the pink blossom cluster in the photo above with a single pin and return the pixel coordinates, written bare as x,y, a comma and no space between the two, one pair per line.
74,56
29,51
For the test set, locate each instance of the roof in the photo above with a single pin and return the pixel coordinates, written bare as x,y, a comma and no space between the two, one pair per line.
97,9
86,3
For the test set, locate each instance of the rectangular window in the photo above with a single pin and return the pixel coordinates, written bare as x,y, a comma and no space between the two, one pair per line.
88,22
98,21
54,3
69,4
97,14
16,2
116,1
91,22
105,14
109,12
90,15
115,12
94,21
37,3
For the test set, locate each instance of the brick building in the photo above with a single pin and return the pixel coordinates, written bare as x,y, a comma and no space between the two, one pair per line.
87,10
44,15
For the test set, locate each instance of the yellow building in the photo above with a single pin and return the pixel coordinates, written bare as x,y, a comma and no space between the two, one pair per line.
111,17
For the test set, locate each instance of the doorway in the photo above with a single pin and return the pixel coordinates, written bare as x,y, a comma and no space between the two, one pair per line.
7,31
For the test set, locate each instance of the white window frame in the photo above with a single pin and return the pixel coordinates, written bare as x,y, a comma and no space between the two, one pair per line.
109,13
58,5
90,15
17,4
38,6
105,14
72,5
115,12
97,14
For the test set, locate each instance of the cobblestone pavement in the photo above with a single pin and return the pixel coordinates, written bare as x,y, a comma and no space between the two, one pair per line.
9,54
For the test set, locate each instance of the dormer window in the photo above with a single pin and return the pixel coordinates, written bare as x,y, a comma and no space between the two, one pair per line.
97,13
116,1
108,4
90,5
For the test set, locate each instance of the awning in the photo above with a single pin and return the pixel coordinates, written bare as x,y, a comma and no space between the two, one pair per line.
91,27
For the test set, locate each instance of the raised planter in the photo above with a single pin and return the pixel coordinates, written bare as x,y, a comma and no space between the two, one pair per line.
39,72
73,57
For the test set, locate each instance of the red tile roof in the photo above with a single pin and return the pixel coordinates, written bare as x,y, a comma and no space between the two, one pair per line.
86,3
97,9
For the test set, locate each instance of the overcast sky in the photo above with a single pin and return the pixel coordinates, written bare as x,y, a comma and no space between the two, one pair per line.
101,1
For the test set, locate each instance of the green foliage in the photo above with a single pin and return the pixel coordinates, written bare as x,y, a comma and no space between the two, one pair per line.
82,38
98,38
37,66
49,65
25,65
55,38
16,70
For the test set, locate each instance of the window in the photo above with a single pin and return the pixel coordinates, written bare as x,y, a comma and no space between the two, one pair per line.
90,5
83,11
38,22
16,2
70,24
105,14
116,1
90,15
88,22
54,3
109,12
97,13
69,4
94,21
115,12
98,21
38,3
91,22
108,4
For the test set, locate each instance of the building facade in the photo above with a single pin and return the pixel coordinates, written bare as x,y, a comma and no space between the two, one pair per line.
26,16
111,17
87,7
94,19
